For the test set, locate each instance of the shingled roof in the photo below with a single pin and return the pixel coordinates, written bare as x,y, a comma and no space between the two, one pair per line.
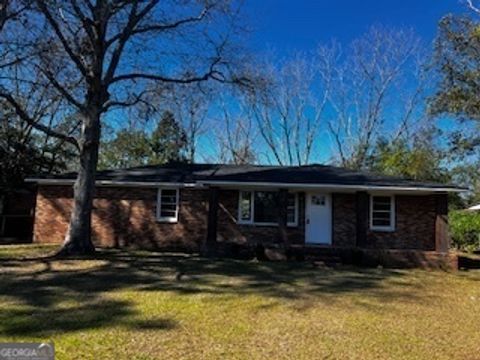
314,174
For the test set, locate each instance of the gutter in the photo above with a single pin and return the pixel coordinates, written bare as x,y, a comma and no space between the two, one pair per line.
114,183
337,186
203,184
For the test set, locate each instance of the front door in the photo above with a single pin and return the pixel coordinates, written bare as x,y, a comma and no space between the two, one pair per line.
318,227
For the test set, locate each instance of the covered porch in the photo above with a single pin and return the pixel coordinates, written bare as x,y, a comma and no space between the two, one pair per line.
329,222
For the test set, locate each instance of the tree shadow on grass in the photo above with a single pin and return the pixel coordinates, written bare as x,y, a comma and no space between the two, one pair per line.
46,296
45,321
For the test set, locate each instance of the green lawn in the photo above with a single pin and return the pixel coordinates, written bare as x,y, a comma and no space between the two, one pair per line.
140,305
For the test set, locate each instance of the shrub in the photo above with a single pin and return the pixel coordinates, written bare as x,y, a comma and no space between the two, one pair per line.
465,229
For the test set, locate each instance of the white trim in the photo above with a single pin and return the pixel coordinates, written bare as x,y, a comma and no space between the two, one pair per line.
330,186
390,228
295,216
168,219
114,183
252,210
200,184
239,217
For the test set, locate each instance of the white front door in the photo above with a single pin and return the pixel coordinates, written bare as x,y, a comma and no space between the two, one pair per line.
318,227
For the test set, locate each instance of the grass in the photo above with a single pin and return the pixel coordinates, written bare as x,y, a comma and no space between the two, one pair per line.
140,305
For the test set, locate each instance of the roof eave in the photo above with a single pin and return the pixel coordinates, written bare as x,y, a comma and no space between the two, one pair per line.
114,183
253,184
339,186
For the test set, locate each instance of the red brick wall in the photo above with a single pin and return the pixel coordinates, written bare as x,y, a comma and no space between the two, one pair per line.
414,225
124,217
344,220
52,213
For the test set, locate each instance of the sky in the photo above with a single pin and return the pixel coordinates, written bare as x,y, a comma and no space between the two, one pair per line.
283,27
287,25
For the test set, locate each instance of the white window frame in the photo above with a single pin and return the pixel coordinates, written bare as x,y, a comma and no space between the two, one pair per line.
392,213
167,219
252,210
239,210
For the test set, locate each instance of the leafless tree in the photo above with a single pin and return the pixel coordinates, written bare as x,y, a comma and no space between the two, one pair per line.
24,150
23,147
289,109
472,4
380,89
107,54
10,10
190,105
235,134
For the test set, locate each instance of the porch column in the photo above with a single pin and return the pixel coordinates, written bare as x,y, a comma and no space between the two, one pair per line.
211,240
282,216
442,237
362,218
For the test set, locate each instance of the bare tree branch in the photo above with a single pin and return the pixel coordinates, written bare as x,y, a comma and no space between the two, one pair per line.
473,7
25,117
369,99
62,89
288,110
56,27
159,27
211,74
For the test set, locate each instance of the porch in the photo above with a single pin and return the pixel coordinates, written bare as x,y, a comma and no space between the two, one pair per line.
419,237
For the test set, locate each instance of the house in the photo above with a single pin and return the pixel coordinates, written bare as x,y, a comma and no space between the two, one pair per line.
185,206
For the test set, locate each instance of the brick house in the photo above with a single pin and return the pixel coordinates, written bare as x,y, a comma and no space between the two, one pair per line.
185,206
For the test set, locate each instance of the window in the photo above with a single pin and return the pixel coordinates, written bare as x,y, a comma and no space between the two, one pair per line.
261,207
382,213
265,207
245,206
319,200
167,205
292,209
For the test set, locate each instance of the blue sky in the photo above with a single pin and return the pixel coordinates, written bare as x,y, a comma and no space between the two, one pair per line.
286,25
283,27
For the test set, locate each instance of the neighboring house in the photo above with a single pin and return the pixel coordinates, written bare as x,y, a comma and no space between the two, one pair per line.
182,207
474,208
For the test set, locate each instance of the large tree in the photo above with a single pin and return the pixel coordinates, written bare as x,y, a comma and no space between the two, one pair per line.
25,151
457,50
237,136
190,109
132,147
289,107
347,96
107,54
418,157
127,148
169,141
379,89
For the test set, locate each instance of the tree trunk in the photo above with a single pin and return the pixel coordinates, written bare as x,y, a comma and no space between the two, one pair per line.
78,238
